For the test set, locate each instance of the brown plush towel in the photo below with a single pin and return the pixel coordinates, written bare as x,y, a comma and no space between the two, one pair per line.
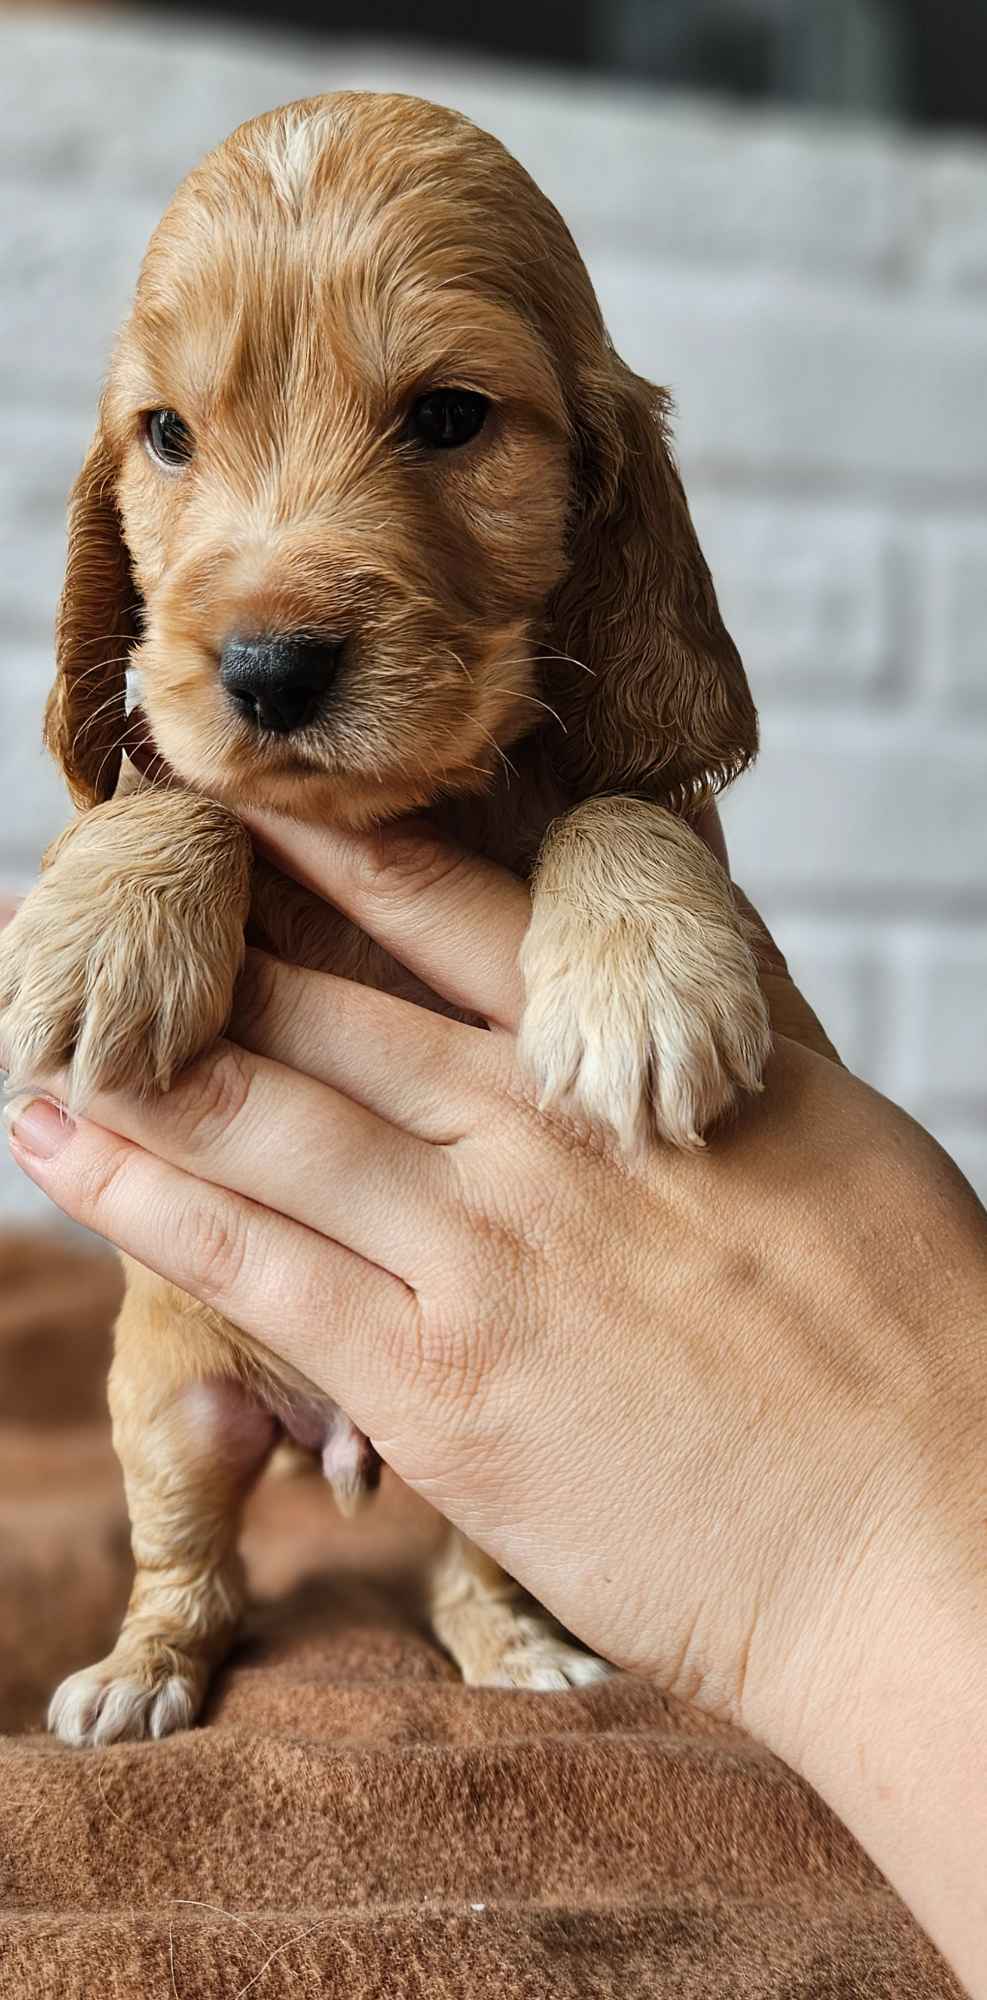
351,1821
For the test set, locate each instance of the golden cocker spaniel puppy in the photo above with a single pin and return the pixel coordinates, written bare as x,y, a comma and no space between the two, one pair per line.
381,523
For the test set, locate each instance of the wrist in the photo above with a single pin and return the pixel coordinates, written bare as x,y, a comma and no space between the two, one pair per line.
880,1706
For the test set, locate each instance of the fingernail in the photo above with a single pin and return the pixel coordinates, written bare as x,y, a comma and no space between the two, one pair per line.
39,1124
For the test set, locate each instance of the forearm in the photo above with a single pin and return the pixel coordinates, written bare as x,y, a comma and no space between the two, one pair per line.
881,1705
901,1756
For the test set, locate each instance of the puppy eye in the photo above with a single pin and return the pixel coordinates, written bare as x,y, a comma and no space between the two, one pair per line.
446,418
169,439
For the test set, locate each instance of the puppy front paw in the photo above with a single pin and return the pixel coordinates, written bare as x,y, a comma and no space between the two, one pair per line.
114,976
135,1693
646,1026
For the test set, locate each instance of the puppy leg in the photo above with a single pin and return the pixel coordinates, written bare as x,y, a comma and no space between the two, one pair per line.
190,1449
497,1634
119,967
643,1007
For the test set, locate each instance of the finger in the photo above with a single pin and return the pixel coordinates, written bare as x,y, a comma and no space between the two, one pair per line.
323,1308
279,1138
413,1067
453,918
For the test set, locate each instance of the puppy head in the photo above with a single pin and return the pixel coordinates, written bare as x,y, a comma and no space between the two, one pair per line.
369,485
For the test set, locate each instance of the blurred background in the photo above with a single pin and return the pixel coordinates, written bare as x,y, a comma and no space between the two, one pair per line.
783,204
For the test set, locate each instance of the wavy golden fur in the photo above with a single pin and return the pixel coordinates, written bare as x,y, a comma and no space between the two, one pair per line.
530,650
291,314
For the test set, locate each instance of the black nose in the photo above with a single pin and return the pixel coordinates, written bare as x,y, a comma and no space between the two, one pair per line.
278,681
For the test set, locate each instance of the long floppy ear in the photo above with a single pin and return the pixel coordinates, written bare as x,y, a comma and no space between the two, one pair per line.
664,707
96,627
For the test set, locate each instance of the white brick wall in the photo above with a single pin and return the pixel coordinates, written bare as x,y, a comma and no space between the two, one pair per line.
815,297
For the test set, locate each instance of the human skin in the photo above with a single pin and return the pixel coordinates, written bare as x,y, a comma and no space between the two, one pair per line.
723,1413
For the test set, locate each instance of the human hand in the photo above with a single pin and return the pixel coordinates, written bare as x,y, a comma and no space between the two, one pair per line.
721,1414
443,914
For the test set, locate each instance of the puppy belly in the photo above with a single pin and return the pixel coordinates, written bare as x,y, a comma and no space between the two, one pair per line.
349,1461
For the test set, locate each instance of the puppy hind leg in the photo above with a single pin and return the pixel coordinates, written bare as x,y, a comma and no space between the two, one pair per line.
497,1634
189,1457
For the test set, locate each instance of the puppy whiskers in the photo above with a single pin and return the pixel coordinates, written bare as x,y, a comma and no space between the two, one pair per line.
519,696
112,701
511,769
99,666
112,750
461,664
545,659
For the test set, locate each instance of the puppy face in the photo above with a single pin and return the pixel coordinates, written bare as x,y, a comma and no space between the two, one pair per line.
370,489
342,464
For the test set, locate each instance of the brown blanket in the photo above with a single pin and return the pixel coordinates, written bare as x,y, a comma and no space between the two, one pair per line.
350,1820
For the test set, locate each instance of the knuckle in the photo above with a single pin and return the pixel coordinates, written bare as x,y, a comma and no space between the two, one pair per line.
101,1182
210,1098
409,862
449,1360
211,1245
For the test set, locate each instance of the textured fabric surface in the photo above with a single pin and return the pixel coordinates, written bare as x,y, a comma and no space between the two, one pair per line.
350,1820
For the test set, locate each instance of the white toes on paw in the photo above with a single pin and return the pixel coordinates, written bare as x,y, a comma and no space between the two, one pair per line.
609,1033
538,1658
96,1707
111,1003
